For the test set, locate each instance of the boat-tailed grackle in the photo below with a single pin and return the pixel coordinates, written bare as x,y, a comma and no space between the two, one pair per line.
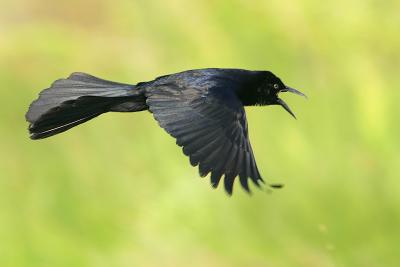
203,109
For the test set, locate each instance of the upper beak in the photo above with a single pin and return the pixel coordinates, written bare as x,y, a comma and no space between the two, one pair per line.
284,105
294,91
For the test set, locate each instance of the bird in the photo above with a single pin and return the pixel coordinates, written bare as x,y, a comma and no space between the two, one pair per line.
203,109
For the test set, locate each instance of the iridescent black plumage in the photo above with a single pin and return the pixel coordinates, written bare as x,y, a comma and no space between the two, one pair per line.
202,109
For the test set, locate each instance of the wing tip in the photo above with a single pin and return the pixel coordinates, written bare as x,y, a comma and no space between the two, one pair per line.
276,186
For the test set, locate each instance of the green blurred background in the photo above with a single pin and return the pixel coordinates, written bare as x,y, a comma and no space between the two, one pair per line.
117,191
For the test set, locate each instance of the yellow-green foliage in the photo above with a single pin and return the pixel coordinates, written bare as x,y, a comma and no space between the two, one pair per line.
117,191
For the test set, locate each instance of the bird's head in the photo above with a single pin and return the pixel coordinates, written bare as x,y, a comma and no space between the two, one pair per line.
269,89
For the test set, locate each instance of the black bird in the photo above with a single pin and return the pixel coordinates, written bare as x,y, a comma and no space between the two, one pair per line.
202,109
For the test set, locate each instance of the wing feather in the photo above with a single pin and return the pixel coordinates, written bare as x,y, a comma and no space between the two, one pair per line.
212,129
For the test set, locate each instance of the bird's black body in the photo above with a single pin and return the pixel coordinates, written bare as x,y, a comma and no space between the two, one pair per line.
202,109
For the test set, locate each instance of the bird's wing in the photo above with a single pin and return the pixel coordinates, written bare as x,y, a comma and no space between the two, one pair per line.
211,127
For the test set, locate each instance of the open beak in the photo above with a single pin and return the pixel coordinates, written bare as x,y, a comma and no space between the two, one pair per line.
283,104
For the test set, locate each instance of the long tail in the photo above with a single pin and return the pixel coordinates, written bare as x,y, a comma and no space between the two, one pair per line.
77,99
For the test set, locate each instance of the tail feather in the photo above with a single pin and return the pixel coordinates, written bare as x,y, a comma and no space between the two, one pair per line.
77,99
59,129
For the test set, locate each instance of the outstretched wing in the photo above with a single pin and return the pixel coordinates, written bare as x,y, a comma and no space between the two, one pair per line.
211,127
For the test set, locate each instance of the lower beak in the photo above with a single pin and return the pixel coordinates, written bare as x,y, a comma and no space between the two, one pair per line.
284,105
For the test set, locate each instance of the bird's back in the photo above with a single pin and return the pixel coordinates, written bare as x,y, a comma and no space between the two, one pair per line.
204,79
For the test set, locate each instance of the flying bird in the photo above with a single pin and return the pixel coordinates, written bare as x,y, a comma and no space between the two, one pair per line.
202,109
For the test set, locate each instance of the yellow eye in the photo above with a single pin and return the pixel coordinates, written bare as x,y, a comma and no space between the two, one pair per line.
276,86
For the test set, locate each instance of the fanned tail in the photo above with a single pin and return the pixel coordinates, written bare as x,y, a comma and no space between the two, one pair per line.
77,99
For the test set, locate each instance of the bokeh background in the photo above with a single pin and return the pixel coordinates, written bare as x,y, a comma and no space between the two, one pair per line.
117,191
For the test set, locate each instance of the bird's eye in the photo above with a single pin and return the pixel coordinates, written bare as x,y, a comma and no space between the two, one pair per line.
276,86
